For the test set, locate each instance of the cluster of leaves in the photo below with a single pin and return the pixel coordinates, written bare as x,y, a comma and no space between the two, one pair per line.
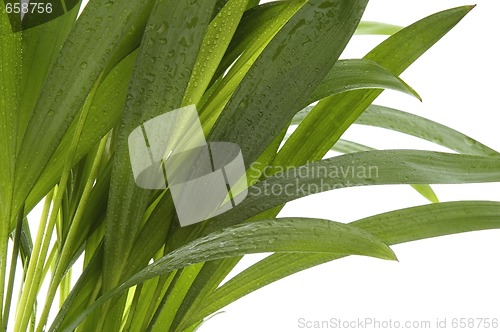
73,89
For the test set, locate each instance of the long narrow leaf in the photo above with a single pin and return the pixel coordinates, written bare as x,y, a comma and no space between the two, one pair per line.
282,235
175,33
273,90
350,75
70,81
394,227
329,125
361,169
396,54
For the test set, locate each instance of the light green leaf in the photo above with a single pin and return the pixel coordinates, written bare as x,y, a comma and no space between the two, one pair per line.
280,235
219,34
104,113
256,23
82,58
250,47
414,125
10,78
398,53
358,74
394,227
376,28
417,126
40,48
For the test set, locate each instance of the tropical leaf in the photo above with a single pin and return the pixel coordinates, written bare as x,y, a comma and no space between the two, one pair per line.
320,28
329,126
70,81
377,28
73,88
394,227
434,28
361,169
414,125
282,235
180,42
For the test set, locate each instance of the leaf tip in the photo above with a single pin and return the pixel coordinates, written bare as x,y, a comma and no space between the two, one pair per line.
392,256
389,254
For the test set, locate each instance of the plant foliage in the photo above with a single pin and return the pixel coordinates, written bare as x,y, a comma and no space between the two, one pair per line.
73,89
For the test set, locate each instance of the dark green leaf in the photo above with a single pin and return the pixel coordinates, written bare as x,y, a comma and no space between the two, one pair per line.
361,169
280,82
175,33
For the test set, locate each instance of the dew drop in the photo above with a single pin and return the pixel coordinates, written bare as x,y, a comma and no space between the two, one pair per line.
163,27
469,141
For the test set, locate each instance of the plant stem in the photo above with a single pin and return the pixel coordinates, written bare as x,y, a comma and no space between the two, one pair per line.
64,287
35,269
163,301
162,281
13,266
22,303
133,306
67,248
4,242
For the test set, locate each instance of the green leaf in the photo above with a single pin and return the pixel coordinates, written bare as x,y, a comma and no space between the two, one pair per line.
30,61
208,279
280,235
432,28
417,126
10,78
250,39
280,82
256,23
85,291
376,28
219,34
104,113
81,60
335,23
175,33
407,123
349,75
414,125
394,227
395,54
345,146
183,284
153,235
40,48
361,169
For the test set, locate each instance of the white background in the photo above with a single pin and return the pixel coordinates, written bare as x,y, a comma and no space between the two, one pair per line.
448,277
